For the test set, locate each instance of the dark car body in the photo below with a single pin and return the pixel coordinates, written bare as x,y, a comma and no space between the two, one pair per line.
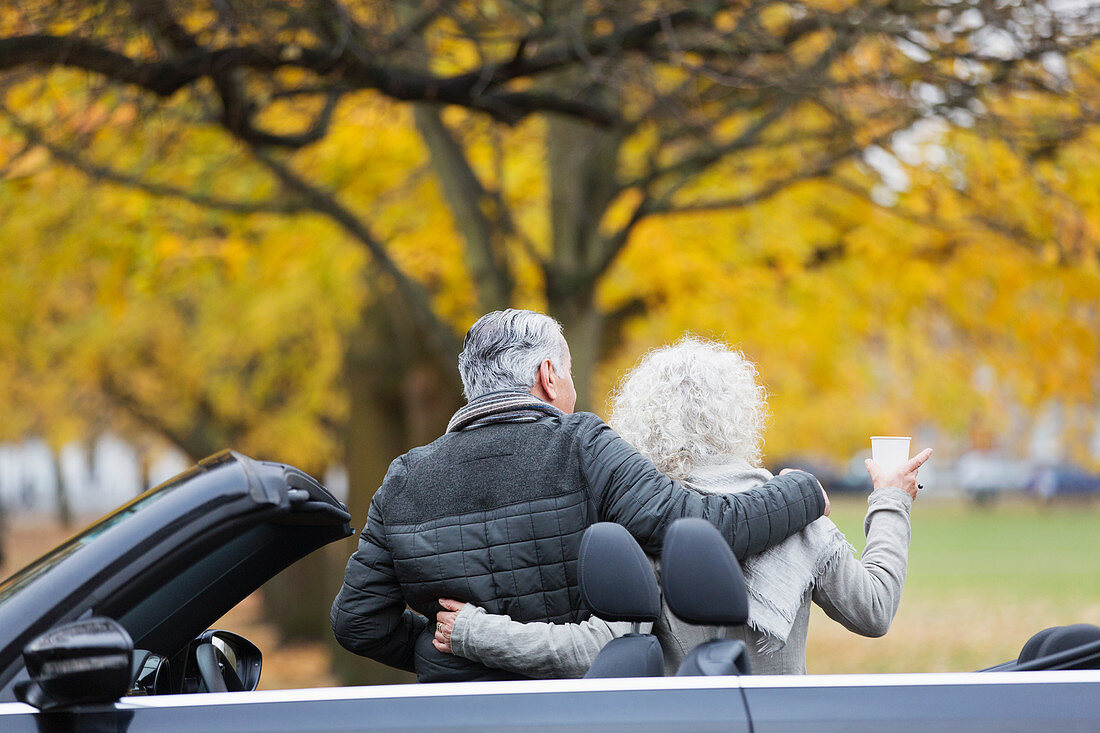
1049,482
1004,701
170,563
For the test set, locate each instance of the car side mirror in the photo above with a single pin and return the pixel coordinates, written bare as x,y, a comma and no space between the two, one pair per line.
221,661
79,662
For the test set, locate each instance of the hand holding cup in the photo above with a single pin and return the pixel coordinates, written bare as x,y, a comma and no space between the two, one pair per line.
903,476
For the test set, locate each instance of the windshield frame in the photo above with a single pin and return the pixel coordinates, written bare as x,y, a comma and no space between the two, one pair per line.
21,578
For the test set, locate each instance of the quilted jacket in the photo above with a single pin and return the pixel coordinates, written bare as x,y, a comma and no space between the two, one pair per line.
494,516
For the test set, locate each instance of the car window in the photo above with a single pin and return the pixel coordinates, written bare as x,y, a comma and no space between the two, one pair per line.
59,553
196,596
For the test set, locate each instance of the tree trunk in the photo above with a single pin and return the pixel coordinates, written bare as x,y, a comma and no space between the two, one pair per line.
64,506
582,324
582,164
295,599
399,398
486,249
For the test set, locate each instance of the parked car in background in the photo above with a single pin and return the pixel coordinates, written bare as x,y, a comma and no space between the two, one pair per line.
109,632
1050,482
837,479
984,475
856,480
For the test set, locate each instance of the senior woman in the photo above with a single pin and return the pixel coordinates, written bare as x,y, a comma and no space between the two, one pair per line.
697,411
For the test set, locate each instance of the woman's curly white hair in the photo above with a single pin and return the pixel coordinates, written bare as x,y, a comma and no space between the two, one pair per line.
691,404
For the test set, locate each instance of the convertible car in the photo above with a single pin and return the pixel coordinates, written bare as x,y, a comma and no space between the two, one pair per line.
108,632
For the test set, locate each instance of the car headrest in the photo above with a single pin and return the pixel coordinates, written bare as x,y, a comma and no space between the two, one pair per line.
1031,648
616,578
701,578
1058,639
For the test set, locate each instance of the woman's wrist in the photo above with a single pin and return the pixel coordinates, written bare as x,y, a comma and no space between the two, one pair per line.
461,630
890,497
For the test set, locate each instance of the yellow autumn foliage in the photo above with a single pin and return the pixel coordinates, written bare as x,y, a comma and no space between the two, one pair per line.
975,295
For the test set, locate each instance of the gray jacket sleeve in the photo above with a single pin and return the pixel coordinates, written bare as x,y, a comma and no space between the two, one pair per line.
863,595
536,649
628,489
369,616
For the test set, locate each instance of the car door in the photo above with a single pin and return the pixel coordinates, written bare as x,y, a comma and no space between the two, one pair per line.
941,703
695,705
175,559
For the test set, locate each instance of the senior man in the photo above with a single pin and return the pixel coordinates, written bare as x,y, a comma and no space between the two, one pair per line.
492,512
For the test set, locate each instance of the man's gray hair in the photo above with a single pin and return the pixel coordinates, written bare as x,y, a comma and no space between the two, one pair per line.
504,349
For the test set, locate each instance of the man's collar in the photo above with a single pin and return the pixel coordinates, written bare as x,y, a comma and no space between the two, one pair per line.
498,407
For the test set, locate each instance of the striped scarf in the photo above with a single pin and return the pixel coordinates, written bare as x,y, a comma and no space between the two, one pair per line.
499,407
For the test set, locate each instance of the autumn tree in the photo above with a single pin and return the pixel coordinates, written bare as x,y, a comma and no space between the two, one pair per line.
488,154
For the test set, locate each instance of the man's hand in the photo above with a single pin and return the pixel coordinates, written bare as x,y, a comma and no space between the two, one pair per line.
903,477
445,624
823,492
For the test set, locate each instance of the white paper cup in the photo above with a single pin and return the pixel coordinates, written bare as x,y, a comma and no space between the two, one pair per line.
889,452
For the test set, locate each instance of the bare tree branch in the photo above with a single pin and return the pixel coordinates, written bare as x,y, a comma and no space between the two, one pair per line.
440,337
100,172
476,210
817,169
165,78
207,432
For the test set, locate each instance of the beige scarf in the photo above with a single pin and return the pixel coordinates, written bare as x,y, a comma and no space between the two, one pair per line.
779,578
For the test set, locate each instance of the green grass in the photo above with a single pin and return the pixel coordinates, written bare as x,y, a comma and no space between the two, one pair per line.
1010,551
981,580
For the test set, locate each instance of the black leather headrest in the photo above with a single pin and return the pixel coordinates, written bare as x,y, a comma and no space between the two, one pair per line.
1058,639
616,578
700,576
1031,648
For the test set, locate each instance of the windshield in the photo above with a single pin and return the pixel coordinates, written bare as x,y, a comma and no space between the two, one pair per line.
43,564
